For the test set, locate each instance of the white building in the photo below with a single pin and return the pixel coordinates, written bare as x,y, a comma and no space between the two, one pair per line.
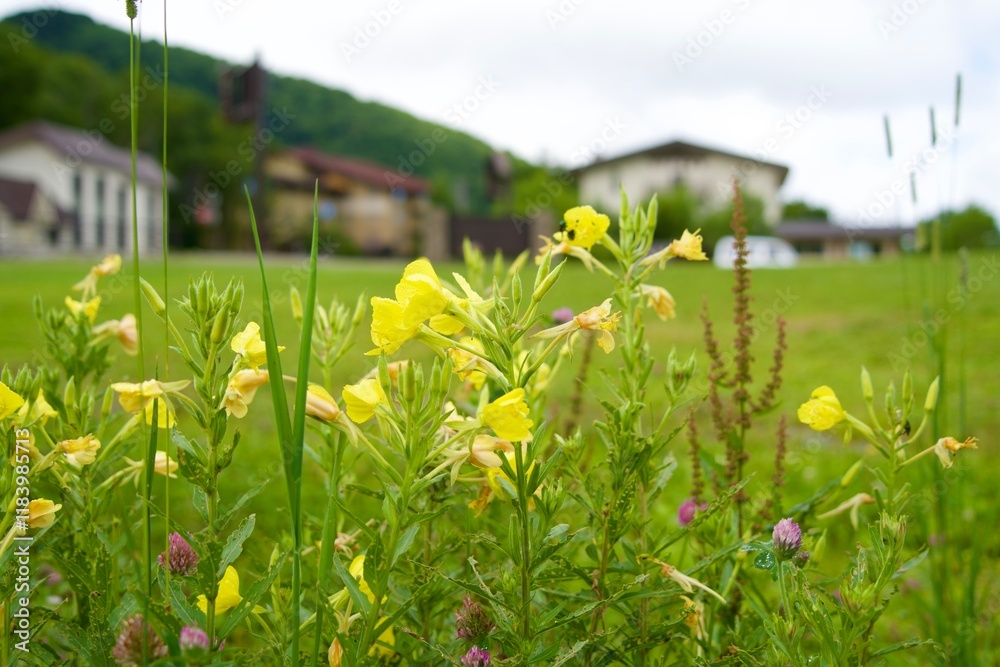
708,173
88,180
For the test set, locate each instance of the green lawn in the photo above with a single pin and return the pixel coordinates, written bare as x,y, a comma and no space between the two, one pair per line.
840,317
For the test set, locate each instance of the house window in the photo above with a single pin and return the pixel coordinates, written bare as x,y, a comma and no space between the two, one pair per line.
121,218
77,197
150,220
99,211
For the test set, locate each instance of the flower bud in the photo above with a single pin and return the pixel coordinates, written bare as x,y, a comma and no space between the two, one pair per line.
69,395
155,302
515,288
296,300
851,472
547,283
220,326
932,395
866,385
907,388
109,396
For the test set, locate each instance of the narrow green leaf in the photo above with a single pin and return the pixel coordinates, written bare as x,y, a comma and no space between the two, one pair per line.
359,598
234,545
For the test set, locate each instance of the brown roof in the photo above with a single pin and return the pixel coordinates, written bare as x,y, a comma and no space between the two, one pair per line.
359,170
813,230
16,197
69,141
684,149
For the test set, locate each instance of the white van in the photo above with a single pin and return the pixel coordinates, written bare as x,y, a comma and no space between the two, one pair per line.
766,252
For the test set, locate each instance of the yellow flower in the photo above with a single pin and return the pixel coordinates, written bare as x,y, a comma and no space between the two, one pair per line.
688,246
494,475
583,226
822,411
163,465
9,401
108,266
228,595
385,645
853,504
483,453
81,451
467,365
420,292
390,329
357,570
508,416
137,397
687,584
600,319
564,248
124,329
249,347
659,300
128,334
42,513
419,297
38,411
89,309
946,448
320,404
362,398
241,390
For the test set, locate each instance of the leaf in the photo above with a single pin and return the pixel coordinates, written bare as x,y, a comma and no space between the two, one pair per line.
234,545
576,648
359,598
765,560
405,542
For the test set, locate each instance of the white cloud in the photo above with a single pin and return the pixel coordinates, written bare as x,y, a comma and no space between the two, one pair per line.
568,67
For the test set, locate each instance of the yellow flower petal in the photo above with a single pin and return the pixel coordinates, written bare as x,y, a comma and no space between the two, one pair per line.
228,595
42,513
822,411
508,416
81,451
583,226
320,404
9,401
688,246
361,399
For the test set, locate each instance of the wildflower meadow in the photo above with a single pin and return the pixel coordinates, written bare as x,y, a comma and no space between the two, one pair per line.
591,454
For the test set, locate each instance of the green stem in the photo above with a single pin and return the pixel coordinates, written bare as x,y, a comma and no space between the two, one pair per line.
329,536
523,498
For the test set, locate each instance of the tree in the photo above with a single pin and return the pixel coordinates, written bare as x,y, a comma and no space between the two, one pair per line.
678,209
973,227
801,210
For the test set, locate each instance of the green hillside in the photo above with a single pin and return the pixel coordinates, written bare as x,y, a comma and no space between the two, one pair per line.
74,71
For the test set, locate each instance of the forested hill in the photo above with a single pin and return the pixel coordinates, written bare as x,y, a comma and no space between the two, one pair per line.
74,71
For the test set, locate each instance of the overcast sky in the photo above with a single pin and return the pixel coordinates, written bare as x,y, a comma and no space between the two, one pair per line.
804,84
